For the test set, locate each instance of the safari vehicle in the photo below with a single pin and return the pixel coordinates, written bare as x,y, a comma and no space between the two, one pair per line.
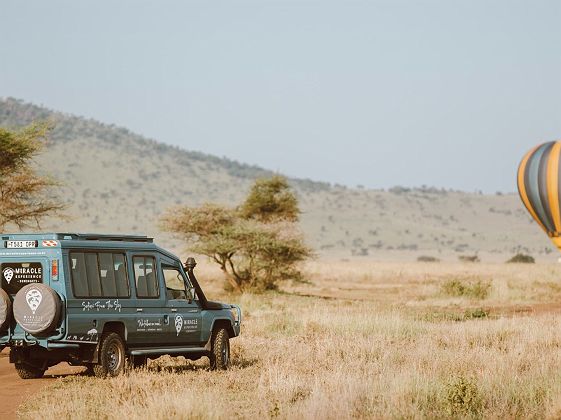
103,301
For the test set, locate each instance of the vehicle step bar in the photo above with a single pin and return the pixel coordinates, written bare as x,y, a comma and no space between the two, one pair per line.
167,350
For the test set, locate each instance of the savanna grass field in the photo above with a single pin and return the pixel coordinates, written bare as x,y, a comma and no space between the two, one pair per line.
358,339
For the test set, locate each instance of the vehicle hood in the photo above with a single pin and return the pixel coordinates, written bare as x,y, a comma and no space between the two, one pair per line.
217,305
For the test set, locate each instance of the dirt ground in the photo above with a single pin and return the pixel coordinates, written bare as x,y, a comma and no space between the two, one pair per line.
14,391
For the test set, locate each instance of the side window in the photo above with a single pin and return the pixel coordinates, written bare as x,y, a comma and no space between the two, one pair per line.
79,278
121,279
99,275
145,277
107,272
92,269
175,284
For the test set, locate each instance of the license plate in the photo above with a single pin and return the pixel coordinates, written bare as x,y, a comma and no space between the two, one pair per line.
21,244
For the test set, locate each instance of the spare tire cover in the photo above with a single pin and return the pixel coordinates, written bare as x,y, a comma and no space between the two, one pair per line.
5,310
37,308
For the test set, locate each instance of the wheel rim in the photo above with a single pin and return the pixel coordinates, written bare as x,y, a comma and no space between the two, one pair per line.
114,357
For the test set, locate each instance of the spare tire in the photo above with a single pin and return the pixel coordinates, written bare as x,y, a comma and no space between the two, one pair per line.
5,310
37,308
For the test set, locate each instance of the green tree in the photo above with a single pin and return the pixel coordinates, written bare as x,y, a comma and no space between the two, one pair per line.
271,200
254,248
25,196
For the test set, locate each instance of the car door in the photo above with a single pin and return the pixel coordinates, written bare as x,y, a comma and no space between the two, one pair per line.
184,312
152,321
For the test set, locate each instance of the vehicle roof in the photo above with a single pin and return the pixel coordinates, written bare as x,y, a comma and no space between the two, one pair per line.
93,240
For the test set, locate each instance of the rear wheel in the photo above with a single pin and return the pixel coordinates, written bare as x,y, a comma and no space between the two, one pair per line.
220,352
26,371
111,356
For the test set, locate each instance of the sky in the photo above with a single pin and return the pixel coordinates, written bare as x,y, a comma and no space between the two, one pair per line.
444,93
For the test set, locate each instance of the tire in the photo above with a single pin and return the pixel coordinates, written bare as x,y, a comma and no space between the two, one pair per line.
111,356
89,370
26,371
220,351
37,308
5,310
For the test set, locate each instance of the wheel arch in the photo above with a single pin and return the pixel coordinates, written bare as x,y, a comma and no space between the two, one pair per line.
117,327
223,323
220,323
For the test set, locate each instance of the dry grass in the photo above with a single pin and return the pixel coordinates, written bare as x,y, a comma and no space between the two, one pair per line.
371,340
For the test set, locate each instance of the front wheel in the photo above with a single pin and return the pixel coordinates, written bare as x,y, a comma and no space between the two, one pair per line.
26,371
111,356
220,352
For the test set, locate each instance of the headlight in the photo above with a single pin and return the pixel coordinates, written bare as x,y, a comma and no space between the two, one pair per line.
236,313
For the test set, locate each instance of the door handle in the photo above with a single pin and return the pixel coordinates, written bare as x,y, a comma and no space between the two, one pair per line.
173,310
139,309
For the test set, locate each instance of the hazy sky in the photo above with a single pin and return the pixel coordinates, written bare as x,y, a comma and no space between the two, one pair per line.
447,93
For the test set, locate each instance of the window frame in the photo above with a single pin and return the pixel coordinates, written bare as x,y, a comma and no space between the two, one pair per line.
186,284
97,252
155,270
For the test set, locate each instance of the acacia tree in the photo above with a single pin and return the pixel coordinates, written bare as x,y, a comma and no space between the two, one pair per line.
271,200
24,195
256,244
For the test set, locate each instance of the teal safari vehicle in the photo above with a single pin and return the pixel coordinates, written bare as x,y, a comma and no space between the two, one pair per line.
105,302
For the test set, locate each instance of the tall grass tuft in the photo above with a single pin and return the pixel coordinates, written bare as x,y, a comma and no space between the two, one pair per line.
478,289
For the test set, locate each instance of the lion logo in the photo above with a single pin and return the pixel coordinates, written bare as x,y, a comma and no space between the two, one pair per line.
33,298
178,324
8,274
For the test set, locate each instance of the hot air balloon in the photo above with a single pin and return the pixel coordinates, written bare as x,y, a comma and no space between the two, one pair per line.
539,185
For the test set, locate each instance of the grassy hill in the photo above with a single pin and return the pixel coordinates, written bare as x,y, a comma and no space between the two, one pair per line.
118,181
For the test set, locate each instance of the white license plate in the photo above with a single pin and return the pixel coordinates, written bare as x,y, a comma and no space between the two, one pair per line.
21,244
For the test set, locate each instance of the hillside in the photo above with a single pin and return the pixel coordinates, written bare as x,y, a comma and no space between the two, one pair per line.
118,181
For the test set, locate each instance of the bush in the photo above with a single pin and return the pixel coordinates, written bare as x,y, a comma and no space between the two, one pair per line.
472,289
427,258
478,313
467,315
469,258
463,397
522,258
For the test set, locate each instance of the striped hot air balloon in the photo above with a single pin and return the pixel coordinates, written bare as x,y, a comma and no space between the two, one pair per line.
539,184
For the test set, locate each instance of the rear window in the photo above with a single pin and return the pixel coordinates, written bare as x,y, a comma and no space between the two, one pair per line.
99,274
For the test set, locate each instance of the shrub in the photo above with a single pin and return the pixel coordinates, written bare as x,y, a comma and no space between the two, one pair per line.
427,258
473,289
468,315
469,258
478,313
463,397
522,258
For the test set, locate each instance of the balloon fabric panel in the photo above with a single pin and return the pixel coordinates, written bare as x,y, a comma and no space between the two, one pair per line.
539,178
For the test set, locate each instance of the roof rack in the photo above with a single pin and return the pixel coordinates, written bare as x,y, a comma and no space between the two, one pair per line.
104,237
